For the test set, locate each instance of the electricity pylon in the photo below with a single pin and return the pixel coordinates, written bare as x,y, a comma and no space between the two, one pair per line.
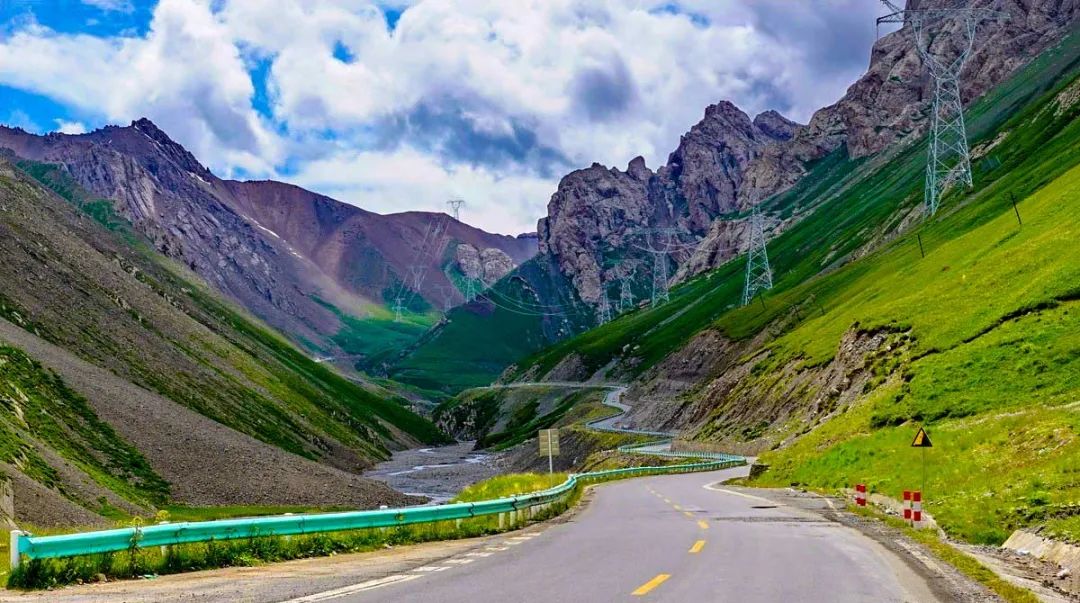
397,310
455,208
949,158
664,246
626,294
758,273
603,312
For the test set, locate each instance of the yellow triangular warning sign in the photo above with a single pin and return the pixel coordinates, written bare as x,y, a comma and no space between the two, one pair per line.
922,440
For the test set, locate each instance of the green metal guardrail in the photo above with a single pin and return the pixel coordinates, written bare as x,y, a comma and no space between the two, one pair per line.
24,545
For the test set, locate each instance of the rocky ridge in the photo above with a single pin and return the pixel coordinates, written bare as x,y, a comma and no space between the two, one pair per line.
288,255
728,162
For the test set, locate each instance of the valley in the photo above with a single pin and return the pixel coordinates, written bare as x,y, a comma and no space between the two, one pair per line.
201,369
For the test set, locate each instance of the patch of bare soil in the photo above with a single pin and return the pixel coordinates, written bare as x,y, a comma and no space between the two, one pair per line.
205,462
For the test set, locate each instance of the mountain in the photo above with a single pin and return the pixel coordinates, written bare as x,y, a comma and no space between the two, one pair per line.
127,384
321,271
883,320
602,222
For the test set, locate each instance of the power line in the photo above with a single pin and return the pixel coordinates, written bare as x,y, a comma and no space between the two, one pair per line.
948,158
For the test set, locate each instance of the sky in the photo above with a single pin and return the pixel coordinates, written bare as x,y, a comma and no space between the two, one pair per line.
400,105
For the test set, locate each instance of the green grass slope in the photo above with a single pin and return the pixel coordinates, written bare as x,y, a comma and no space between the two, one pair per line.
848,205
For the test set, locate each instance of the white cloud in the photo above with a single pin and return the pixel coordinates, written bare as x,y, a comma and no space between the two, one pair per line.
485,99
123,6
70,127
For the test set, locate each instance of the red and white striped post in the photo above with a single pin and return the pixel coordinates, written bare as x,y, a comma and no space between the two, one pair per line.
916,507
907,506
860,494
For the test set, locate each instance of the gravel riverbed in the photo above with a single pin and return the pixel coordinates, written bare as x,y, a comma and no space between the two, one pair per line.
438,473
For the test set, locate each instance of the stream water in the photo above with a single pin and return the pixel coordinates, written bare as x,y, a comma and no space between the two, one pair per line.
437,473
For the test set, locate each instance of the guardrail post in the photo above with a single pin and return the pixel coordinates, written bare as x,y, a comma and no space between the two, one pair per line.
502,520
16,557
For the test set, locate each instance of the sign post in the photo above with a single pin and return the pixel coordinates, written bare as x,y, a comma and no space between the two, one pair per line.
549,445
922,440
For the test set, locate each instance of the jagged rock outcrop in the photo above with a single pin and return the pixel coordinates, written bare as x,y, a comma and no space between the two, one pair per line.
599,210
487,266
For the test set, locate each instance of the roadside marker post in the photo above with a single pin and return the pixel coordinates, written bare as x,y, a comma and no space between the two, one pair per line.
860,495
16,557
916,507
907,506
922,440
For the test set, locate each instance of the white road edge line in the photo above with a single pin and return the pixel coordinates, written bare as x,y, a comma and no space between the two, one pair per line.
726,491
356,588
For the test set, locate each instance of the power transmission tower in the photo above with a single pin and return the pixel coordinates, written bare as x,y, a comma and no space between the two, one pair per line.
626,294
470,288
660,279
455,208
660,248
397,310
603,312
949,159
758,273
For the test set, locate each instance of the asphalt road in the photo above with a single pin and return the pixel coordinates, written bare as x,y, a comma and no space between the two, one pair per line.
666,538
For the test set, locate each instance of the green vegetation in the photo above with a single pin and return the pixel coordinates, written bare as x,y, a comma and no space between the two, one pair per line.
188,513
478,339
378,338
35,404
848,205
513,484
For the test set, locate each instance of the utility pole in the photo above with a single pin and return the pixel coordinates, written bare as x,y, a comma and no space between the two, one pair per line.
758,273
948,156
455,208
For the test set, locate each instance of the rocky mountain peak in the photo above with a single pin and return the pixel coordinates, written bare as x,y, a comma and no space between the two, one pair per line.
775,126
637,169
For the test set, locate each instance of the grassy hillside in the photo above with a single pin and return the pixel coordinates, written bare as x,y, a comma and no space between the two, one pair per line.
850,205
478,340
984,348
75,275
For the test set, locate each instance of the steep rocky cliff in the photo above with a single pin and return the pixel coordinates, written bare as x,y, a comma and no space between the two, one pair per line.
596,216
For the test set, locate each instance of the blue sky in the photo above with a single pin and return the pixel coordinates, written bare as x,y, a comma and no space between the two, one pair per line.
400,104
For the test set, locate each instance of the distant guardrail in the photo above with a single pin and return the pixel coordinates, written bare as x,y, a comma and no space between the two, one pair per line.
27,546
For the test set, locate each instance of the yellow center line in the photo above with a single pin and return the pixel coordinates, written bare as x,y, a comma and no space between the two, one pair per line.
688,514
704,525
677,507
651,584
697,546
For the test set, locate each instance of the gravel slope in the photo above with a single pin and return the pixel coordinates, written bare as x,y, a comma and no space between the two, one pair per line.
178,443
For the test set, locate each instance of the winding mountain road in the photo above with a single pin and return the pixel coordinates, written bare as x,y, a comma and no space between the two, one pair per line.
668,538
